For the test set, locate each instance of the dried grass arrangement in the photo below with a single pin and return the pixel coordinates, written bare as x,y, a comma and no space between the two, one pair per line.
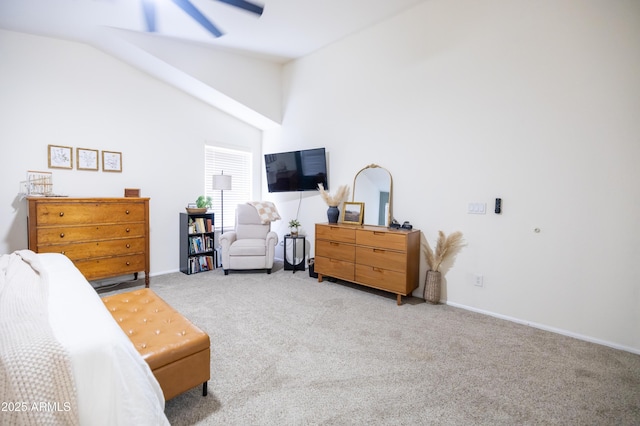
446,248
334,200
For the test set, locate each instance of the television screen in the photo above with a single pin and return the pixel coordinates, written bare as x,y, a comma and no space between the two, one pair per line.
296,170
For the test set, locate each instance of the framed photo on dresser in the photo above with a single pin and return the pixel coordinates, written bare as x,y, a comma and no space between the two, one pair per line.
353,213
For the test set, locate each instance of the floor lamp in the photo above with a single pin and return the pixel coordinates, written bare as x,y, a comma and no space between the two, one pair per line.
221,182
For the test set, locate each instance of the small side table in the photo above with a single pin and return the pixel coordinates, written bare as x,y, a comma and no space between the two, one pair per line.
296,264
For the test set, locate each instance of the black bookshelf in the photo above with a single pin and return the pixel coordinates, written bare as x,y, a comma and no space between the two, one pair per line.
197,243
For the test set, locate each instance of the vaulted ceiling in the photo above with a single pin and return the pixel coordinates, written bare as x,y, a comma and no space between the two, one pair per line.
284,31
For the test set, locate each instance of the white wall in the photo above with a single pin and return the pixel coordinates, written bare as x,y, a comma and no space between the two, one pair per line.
253,82
65,93
464,101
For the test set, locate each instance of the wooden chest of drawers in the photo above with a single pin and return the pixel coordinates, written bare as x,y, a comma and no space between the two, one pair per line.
373,256
104,237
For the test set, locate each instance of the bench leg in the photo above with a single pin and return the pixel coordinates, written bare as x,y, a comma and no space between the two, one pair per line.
204,389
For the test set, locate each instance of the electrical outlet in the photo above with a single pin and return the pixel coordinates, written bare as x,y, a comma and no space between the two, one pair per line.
478,280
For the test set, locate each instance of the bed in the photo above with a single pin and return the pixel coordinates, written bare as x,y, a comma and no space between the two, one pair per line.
87,371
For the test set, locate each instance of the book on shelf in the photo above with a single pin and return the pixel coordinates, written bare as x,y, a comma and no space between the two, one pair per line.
195,245
200,244
201,264
200,225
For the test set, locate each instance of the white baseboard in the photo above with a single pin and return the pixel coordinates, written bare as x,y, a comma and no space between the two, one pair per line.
170,271
546,328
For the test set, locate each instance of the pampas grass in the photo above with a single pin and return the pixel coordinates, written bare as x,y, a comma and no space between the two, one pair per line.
446,248
337,198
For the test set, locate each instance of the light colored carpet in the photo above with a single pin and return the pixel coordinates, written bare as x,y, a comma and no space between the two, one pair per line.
287,350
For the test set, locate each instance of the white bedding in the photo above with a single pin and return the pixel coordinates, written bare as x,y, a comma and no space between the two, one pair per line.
115,386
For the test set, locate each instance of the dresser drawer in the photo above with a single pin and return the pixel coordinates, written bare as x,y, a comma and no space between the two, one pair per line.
387,259
71,234
394,240
77,251
335,233
384,279
61,213
336,250
94,269
334,268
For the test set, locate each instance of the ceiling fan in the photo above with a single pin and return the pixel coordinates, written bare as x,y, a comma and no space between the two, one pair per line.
149,9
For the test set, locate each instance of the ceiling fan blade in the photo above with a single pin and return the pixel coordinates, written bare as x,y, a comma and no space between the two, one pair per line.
149,9
193,11
245,5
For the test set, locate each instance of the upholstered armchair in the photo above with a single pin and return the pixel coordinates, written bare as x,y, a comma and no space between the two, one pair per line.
252,245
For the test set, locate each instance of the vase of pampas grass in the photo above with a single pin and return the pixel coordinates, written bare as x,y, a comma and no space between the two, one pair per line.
432,287
446,248
333,201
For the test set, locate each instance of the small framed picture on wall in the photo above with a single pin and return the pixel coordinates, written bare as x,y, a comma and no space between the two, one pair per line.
86,159
60,157
111,161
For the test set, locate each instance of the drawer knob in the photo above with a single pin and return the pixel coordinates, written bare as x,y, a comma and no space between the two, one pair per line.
126,211
128,263
128,229
62,252
128,245
62,235
61,214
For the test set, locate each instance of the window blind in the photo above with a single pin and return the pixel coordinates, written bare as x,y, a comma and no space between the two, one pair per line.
232,162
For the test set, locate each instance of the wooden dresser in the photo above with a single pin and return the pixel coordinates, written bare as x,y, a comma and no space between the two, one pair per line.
382,258
104,237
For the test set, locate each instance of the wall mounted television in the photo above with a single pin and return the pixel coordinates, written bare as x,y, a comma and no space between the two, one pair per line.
296,170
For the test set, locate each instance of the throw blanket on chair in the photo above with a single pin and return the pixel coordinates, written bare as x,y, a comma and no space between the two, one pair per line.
267,211
35,370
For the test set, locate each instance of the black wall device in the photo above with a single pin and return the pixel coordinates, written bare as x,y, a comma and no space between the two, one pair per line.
498,208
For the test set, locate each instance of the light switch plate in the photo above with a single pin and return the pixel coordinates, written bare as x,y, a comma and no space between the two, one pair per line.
477,208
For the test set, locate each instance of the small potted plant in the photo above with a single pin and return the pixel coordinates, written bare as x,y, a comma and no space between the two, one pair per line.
294,225
202,204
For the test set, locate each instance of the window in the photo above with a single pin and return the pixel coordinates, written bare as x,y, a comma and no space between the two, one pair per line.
229,162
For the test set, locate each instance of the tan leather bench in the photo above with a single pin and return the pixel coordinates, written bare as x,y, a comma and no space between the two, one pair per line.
177,351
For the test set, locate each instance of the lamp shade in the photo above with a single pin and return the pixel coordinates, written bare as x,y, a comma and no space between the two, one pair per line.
222,182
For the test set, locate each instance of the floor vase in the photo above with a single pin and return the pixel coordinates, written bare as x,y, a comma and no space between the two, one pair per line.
432,287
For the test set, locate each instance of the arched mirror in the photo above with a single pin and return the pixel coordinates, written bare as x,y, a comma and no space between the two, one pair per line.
373,186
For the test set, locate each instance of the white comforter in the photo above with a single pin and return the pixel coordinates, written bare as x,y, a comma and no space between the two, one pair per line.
115,386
